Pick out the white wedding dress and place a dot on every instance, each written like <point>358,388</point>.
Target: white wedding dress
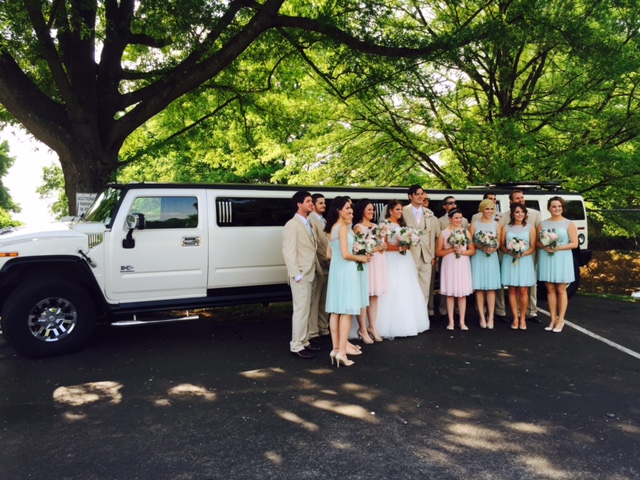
<point>402,310</point>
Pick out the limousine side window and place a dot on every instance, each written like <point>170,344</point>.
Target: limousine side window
<point>574,210</point>
<point>167,212</point>
<point>253,212</point>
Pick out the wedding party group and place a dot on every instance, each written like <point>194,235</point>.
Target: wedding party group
<point>342,263</point>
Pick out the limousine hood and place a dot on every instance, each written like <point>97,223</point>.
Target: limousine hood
<point>56,238</point>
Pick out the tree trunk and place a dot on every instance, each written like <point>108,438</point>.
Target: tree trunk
<point>86,170</point>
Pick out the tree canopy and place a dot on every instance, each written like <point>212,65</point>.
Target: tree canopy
<point>376,92</point>
<point>83,75</point>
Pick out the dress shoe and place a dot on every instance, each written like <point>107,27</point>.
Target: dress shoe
<point>316,341</point>
<point>534,319</point>
<point>303,354</point>
<point>558,328</point>
<point>312,348</point>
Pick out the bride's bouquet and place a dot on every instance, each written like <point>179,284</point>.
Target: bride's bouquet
<point>458,238</point>
<point>364,245</point>
<point>382,232</point>
<point>549,238</point>
<point>408,237</point>
<point>486,239</point>
<point>516,247</point>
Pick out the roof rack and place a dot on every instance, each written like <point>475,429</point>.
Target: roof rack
<point>550,185</point>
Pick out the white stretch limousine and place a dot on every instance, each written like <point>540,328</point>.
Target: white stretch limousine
<point>159,247</point>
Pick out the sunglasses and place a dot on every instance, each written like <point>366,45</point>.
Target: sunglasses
<point>449,203</point>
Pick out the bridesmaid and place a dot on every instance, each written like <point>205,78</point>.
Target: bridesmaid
<point>555,262</point>
<point>343,287</point>
<point>455,269</point>
<point>363,216</point>
<point>518,272</point>
<point>485,266</point>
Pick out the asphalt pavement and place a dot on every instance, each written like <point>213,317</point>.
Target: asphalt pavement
<point>223,398</point>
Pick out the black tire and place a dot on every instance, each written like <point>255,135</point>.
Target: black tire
<point>48,317</point>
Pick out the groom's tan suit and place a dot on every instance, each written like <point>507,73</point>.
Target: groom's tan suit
<point>425,252</point>
<point>299,251</point>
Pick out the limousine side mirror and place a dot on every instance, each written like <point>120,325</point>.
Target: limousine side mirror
<point>134,220</point>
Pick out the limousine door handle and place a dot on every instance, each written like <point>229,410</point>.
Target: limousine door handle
<point>191,241</point>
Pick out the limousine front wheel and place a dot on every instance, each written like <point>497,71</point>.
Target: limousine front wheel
<point>48,317</point>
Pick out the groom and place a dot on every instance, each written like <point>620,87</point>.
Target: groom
<point>424,254</point>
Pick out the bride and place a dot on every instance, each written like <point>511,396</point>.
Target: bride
<point>402,309</point>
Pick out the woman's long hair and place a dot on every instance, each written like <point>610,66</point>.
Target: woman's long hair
<point>512,213</point>
<point>333,212</point>
<point>390,206</point>
<point>358,210</point>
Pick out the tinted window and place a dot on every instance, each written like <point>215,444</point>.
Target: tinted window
<point>253,212</point>
<point>574,210</point>
<point>167,212</point>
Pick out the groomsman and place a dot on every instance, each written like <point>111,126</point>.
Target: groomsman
<point>420,217</point>
<point>449,203</point>
<point>299,251</point>
<point>534,219</point>
<point>318,317</point>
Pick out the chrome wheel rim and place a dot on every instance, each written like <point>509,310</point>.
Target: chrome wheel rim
<point>52,319</point>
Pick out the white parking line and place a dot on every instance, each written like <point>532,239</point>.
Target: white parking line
<point>596,336</point>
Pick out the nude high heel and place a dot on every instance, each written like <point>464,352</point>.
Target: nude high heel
<point>332,356</point>
<point>366,340</point>
<point>375,337</point>
<point>344,360</point>
<point>558,329</point>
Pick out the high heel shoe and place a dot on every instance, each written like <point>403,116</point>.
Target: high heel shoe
<point>332,355</point>
<point>483,324</point>
<point>558,329</point>
<point>366,340</point>
<point>551,326</point>
<point>344,360</point>
<point>375,337</point>
<point>352,350</point>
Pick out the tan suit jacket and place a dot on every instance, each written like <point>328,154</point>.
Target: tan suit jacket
<point>299,251</point>
<point>322,241</point>
<point>533,218</point>
<point>477,216</point>
<point>444,222</point>
<point>430,227</point>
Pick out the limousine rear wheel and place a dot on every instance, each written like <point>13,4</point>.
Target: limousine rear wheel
<point>48,317</point>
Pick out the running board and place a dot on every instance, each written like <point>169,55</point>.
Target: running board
<point>135,321</point>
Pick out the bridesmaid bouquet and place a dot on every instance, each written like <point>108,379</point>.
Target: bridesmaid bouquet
<point>486,239</point>
<point>516,246</point>
<point>458,238</point>
<point>382,232</point>
<point>364,245</point>
<point>408,237</point>
<point>549,238</point>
